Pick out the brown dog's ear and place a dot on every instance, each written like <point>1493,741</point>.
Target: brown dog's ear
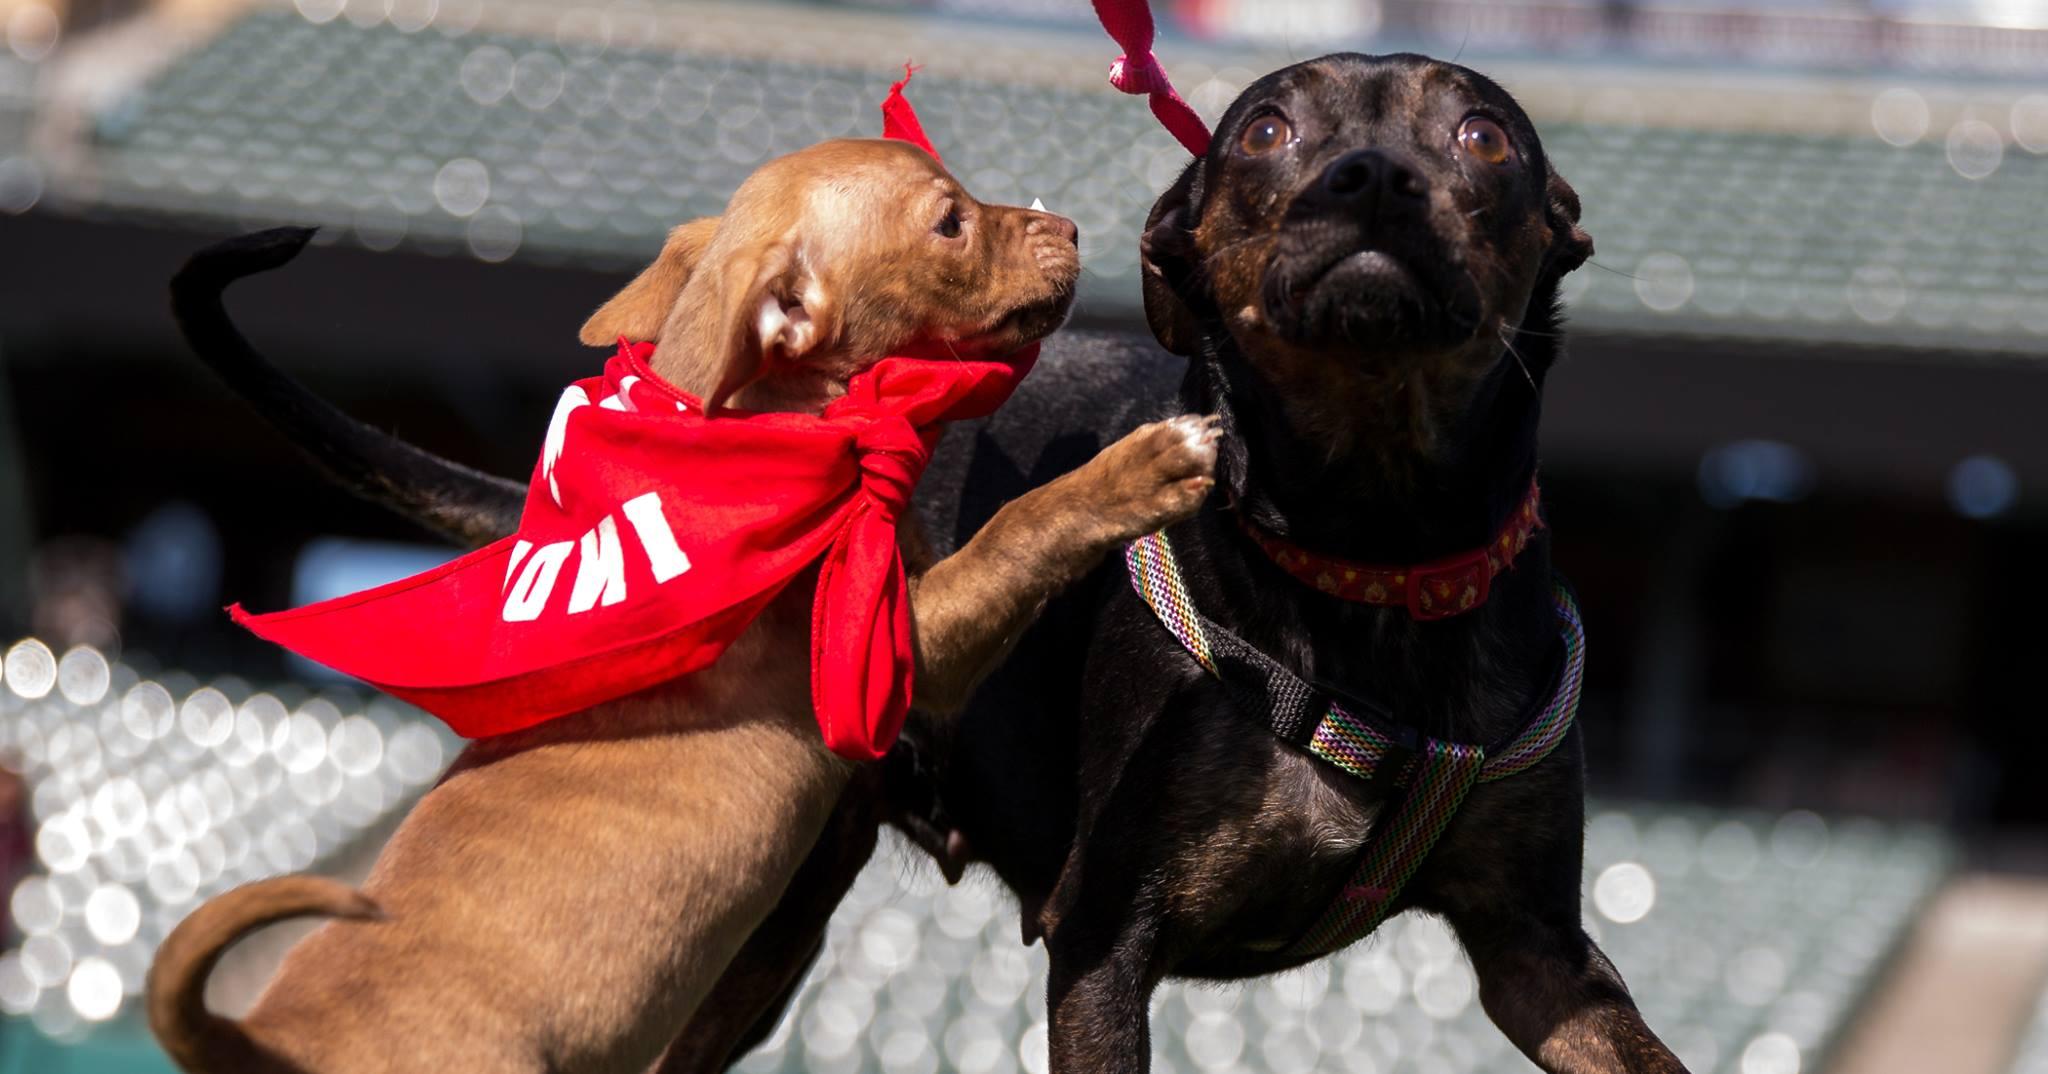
<point>1168,261</point>
<point>638,312</point>
<point>1570,245</point>
<point>766,304</point>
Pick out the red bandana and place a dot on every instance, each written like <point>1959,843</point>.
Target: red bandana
<point>653,536</point>
<point>1438,589</point>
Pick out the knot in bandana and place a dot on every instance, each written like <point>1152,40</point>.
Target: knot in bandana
<point>892,455</point>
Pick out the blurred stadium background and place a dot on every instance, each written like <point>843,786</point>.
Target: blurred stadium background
<point>1796,461</point>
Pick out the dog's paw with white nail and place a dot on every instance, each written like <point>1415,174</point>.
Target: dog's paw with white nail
<point>1163,471</point>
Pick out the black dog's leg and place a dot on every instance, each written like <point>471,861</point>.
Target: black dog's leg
<point>1098,992</point>
<point>1101,943</point>
<point>778,1009</point>
<point>1557,997</point>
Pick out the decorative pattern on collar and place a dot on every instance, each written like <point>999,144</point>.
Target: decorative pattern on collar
<point>1438,589</point>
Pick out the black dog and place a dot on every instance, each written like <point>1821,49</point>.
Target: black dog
<point>1363,269</point>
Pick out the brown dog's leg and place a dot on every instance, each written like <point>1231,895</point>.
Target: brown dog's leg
<point>741,1010</point>
<point>968,609</point>
<point>1553,992</point>
<point>972,605</point>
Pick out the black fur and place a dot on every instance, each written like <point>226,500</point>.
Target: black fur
<point>1113,784</point>
<point>464,505</point>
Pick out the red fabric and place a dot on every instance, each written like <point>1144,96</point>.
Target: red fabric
<point>1129,23</point>
<point>899,120</point>
<point>1435,590</point>
<point>653,536</point>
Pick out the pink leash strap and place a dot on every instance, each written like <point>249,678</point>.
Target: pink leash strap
<point>1129,22</point>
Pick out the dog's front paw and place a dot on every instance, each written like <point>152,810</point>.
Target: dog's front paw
<point>1162,472</point>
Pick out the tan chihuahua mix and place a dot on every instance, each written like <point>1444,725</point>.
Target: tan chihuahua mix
<point>565,897</point>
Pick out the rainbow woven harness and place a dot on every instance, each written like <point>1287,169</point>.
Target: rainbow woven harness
<point>1432,777</point>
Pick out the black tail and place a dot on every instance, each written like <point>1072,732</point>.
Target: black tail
<point>462,504</point>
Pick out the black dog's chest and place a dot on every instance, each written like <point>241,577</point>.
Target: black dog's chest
<point>1100,741</point>
<point>1248,839</point>
<point>1286,818</point>
<point>1252,836</point>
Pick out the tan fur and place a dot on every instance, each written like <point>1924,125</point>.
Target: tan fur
<point>565,897</point>
<point>638,312</point>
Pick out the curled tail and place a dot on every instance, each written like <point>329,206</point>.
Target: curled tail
<point>465,505</point>
<point>197,1039</point>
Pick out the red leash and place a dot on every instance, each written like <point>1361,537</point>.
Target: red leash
<point>1129,22</point>
<point>899,120</point>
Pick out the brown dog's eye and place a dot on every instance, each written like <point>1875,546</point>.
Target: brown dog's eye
<point>1266,133</point>
<point>949,224</point>
<point>1484,139</point>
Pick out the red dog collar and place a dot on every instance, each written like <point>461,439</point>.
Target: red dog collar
<point>1437,589</point>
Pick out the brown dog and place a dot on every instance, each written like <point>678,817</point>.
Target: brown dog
<point>566,896</point>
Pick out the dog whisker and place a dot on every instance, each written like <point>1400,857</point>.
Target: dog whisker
<point>1517,355</point>
<point>1202,272</point>
<point>1616,271</point>
<point>1246,241</point>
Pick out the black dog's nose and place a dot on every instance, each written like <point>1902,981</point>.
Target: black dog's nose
<point>1363,176</point>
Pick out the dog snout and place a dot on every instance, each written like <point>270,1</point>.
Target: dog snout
<point>1370,178</point>
<point>1056,226</point>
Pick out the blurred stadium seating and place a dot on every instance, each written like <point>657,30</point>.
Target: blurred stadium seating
<point>496,142</point>
<point>149,794</point>
<point>1797,450</point>
<point>1749,937</point>
<point>1801,914</point>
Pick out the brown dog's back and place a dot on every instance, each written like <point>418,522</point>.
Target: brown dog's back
<point>196,1038</point>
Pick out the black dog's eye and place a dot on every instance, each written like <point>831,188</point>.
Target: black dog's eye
<point>1264,134</point>
<point>949,224</point>
<point>1484,139</point>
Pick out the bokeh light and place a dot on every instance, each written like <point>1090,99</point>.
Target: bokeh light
<point>1982,486</point>
<point>1624,892</point>
<point>1900,116</point>
<point>154,796</point>
<point>29,669</point>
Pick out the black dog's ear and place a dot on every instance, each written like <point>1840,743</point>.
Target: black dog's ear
<point>1168,261</point>
<point>1570,245</point>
